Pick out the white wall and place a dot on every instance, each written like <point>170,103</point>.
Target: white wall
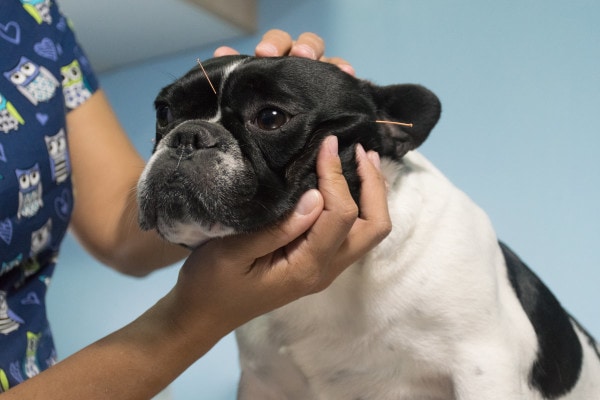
<point>520,86</point>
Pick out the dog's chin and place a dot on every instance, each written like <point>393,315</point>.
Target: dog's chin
<point>192,234</point>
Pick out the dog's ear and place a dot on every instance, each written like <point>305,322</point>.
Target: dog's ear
<point>410,104</point>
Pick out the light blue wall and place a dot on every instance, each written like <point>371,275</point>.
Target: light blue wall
<point>520,87</point>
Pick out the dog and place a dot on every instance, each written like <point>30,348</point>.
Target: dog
<point>441,309</point>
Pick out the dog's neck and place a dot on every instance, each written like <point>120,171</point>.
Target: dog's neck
<point>417,193</point>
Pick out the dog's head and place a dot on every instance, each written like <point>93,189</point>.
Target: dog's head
<point>240,159</point>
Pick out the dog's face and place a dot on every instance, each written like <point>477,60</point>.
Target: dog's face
<point>240,159</point>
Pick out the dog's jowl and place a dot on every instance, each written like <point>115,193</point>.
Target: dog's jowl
<point>439,310</point>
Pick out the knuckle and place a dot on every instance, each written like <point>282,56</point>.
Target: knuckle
<point>279,35</point>
<point>384,228</point>
<point>312,37</point>
<point>315,284</point>
<point>380,229</point>
<point>307,277</point>
<point>349,211</point>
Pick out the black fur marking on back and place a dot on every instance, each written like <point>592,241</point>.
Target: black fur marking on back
<point>560,355</point>
<point>591,341</point>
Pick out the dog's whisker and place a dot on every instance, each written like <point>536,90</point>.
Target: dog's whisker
<point>179,161</point>
<point>206,75</point>
<point>406,124</point>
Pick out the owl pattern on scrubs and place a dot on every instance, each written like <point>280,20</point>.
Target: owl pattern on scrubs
<point>44,74</point>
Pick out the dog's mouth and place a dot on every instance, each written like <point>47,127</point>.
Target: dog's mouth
<point>192,195</point>
<point>171,215</point>
<point>191,234</point>
<point>179,211</point>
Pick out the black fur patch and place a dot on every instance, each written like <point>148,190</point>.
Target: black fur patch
<point>560,355</point>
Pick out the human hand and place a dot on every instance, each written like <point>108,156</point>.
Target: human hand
<point>279,43</point>
<point>227,282</point>
<point>237,278</point>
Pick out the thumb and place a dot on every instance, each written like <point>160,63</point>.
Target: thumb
<point>258,244</point>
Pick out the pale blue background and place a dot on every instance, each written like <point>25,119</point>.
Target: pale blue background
<point>520,86</point>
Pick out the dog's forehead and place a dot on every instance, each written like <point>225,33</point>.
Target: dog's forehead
<point>291,83</point>
<point>246,85</point>
<point>256,76</point>
<point>282,69</point>
<point>221,72</point>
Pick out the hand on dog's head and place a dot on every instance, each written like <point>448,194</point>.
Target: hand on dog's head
<point>240,159</point>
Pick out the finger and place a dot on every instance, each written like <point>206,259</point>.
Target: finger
<point>308,45</point>
<point>339,212</point>
<point>274,43</point>
<point>374,223</point>
<point>373,198</point>
<point>331,181</point>
<point>255,245</point>
<point>341,64</point>
<point>225,51</point>
<point>309,258</point>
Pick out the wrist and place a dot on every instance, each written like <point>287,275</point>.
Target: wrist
<point>193,328</point>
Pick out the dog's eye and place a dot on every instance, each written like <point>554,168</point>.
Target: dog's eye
<point>163,115</point>
<point>270,119</point>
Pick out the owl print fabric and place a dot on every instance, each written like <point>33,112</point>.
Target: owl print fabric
<point>43,75</point>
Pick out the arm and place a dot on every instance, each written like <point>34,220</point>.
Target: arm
<point>217,290</point>
<point>106,168</point>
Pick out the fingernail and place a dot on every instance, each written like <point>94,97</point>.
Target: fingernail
<point>266,50</point>
<point>332,145</point>
<point>347,68</point>
<point>302,50</point>
<point>375,160</point>
<point>360,151</point>
<point>307,203</point>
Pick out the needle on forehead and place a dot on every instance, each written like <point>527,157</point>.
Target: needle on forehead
<point>206,75</point>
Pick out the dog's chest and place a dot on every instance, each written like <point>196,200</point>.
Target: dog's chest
<point>360,338</point>
<point>386,327</point>
<point>340,346</point>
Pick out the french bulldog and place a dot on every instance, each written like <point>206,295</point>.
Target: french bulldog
<point>439,310</point>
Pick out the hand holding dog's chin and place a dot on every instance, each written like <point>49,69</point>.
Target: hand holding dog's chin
<point>234,279</point>
<point>276,43</point>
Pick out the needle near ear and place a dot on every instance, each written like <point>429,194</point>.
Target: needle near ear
<point>395,123</point>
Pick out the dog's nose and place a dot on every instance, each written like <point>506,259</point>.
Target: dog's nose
<point>190,140</point>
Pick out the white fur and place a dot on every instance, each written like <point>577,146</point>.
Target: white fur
<point>192,234</point>
<point>143,181</point>
<point>428,315</point>
<point>226,72</point>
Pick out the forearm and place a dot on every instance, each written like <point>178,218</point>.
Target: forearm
<point>136,362</point>
<point>125,247</point>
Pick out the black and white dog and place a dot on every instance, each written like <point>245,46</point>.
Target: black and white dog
<point>439,310</point>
